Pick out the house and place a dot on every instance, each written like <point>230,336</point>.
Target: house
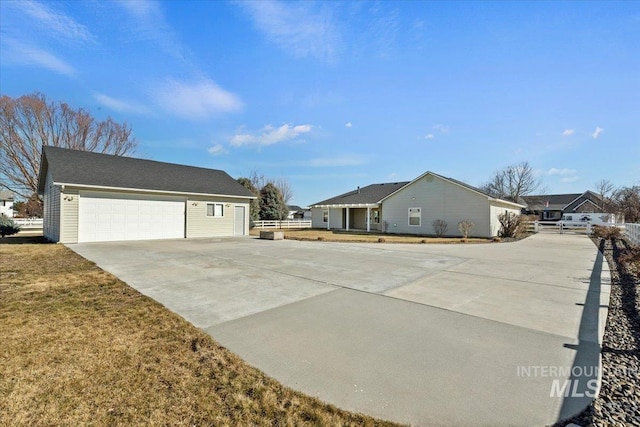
<point>552,207</point>
<point>411,207</point>
<point>6,203</point>
<point>296,212</point>
<point>91,197</point>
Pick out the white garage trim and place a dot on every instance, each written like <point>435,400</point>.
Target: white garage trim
<point>104,216</point>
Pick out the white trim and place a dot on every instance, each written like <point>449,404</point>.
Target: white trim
<point>206,210</point>
<point>586,200</point>
<point>143,190</point>
<point>348,205</point>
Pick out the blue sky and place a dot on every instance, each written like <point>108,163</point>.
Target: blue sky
<point>332,95</point>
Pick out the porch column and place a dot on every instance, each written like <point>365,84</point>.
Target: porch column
<point>328,219</point>
<point>368,219</point>
<point>347,219</point>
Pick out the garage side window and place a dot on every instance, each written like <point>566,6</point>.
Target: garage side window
<point>415,217</point>
<point>215,209</point>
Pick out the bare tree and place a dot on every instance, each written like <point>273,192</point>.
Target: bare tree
<point>627,203</point>
<point>605,189</point>
<point>285,188</point>
<point>513,182</point>
<point>31,121</point>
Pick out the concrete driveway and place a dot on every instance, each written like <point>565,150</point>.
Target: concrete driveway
<point>485,334</point>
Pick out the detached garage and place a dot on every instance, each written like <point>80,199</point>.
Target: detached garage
<point>92,197</point>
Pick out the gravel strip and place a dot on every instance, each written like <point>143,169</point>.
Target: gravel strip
<point>618,403</point>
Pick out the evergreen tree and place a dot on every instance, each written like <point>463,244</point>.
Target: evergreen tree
<point>254,208</point>
<point>272,205</point>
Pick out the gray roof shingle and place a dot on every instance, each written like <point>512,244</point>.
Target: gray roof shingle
<point>373,193</point>
<point>84,168</point>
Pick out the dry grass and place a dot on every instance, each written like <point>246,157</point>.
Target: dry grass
<point>79,347</point>
<point>363,237</point>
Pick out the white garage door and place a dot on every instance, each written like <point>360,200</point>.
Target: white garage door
<point>110,217</point>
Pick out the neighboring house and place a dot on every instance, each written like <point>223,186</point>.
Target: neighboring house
<point>6,203</point>
<point>412,207</point>
<point>296,212</point>
<point>552,207</point>
<point>90,197</point>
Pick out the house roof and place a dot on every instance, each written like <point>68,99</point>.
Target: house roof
<point>88,169</point>
<point>294,208</point>
<point>560,202</point>
<point>371,194</point>
<point>6,195</point>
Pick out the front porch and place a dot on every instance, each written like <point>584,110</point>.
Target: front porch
<point>352,217</point>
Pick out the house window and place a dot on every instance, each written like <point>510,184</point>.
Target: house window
<point>215,209</point>
<point>376,217</point>
<point>325,215</point>
<point>415,217</point>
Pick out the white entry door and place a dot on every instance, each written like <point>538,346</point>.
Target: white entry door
<point>239,224</point>
<point>115,216</point>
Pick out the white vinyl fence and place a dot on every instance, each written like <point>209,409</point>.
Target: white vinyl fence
<point>29,223</point>
<point>293,223</point>
<point>632,232</point>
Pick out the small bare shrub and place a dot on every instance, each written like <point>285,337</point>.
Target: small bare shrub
<point>381,240</point>
<point>440,227</point>
<point>423,241</point>
<point>321,238</point>
<point>511,225</point>
<point>464,227</point>
<point>497,239</point>
<point>605,232</point>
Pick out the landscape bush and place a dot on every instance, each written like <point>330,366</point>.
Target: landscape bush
<point>8,227</point>
<point>464,227</point>
<point>439,227</point>
<point>605,232</point>
<point>511,225</point>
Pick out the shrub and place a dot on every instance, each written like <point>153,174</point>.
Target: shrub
<point>464,227</point>
<point>8,227</point>
<point>511,225</point>
<point>440,227</point>
<point>381,240</point>
<point>497,239</point>
<point>605,232</point>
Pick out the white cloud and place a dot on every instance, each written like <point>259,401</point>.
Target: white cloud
<point>120,105</point>
<point>441,129</point>
<point>197,100</point>
<point>346,160</point>
<point>151,26</point>
<point>270,135</point>
<point>568,132</point>
<point>57,24</point>
<point>597,132</point>
<point>348,125</point>
<point>570,179</point>
<point>217,150</point>
<point>19,53</point>
<point>429,136</point>
<point>563,171</point>
<point>295,27</point>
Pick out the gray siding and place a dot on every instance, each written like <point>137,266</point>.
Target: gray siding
<point>201,225</point>
<point>437,199</point>
<point>316,218</point>
<point>69,215</point>
<point>51,227</point>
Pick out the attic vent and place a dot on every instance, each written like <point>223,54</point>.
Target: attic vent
<point>428,178</point>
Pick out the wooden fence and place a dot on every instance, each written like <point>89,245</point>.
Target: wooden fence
<point>293,223</point>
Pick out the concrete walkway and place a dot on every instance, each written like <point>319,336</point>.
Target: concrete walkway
<point>484,334</point>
